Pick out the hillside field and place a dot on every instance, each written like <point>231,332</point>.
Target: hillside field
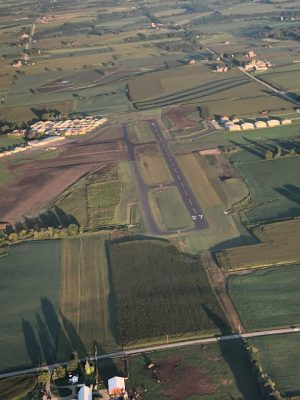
<point>158,292</point>
<point>267,298</point>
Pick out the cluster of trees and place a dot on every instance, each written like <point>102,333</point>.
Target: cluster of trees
<point>9,237</point>
<point>278,153</point>
<point>266,386</point>
<point>291,33</point>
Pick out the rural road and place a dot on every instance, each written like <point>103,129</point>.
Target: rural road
<point>279,93</point>
<point>167,346</point>
<point>187,195</point>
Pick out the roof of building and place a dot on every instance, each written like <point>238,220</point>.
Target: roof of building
<point>85,393</point>
<point>116,383</point>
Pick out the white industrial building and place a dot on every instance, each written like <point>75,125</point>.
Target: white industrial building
<point>273,122</point>
<point>247,126</point>
<point>260,124</point>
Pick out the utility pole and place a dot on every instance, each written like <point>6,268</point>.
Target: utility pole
<point>96,367</point>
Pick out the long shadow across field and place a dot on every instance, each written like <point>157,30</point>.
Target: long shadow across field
<point>235,354</point>
<point>52,337</point>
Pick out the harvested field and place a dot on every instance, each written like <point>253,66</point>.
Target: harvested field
<point>276,248</point>
<point>53,176</point>
<point>169,209</point>
<point>267,298</point>
<point>180,301</point>
<point>181,118</point>
<point>186,379</point>
<point>17,387</point>
<point>85,293</point>
<point>197,372</point>
<point>152,165</point>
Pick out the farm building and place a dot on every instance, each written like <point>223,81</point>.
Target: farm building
<point>224,119</point>
<point>273,122</point>
<point>116,386</point>
<point>233,127</point>
<point>85,393</point>
<point>247,125</point>
<point>286,121</point>
<point>260,124</point>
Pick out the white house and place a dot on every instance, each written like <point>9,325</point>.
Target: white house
<point>116,386</point>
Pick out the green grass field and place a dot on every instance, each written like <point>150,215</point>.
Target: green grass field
<point>159,292</point>
<point>140,132</point>
<point>279,356</point>
<point>169,210</point>
<point>210,372</point>
<point>31,271</point>
<point>274,189</point>
<point>6,141</point>
<point>267,298</point>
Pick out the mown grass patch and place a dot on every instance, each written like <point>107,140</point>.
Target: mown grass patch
<point>169,209</point>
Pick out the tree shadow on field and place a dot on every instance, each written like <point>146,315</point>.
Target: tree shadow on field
<point>290,192</point>
<point>54,218</point>
<point>112,304</point>
<point>235,355</point>
<point>51,337</point>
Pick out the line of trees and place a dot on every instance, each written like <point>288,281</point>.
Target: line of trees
<point>266,385</point>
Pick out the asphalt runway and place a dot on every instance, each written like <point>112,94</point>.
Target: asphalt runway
<point>187,195</point>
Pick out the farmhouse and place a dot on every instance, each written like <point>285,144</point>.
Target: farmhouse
<point>116,386</point>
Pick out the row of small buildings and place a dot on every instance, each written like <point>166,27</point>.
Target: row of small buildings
<point>68,127</point>
<point>235,124</point>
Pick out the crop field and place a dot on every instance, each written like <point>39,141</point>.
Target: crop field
<point>152,165</point>
<point>84,295</point>
<point>279,245</point>
<point>274,188</point>
<point>181,301</point>
<point>267,298</point>
<point>169,209</point>
<point>17,387</point>
<point>140,132</point>
<point>279,356</point>
<point>93,200</point>
<point>210,372</point>
<point>31,271</point>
